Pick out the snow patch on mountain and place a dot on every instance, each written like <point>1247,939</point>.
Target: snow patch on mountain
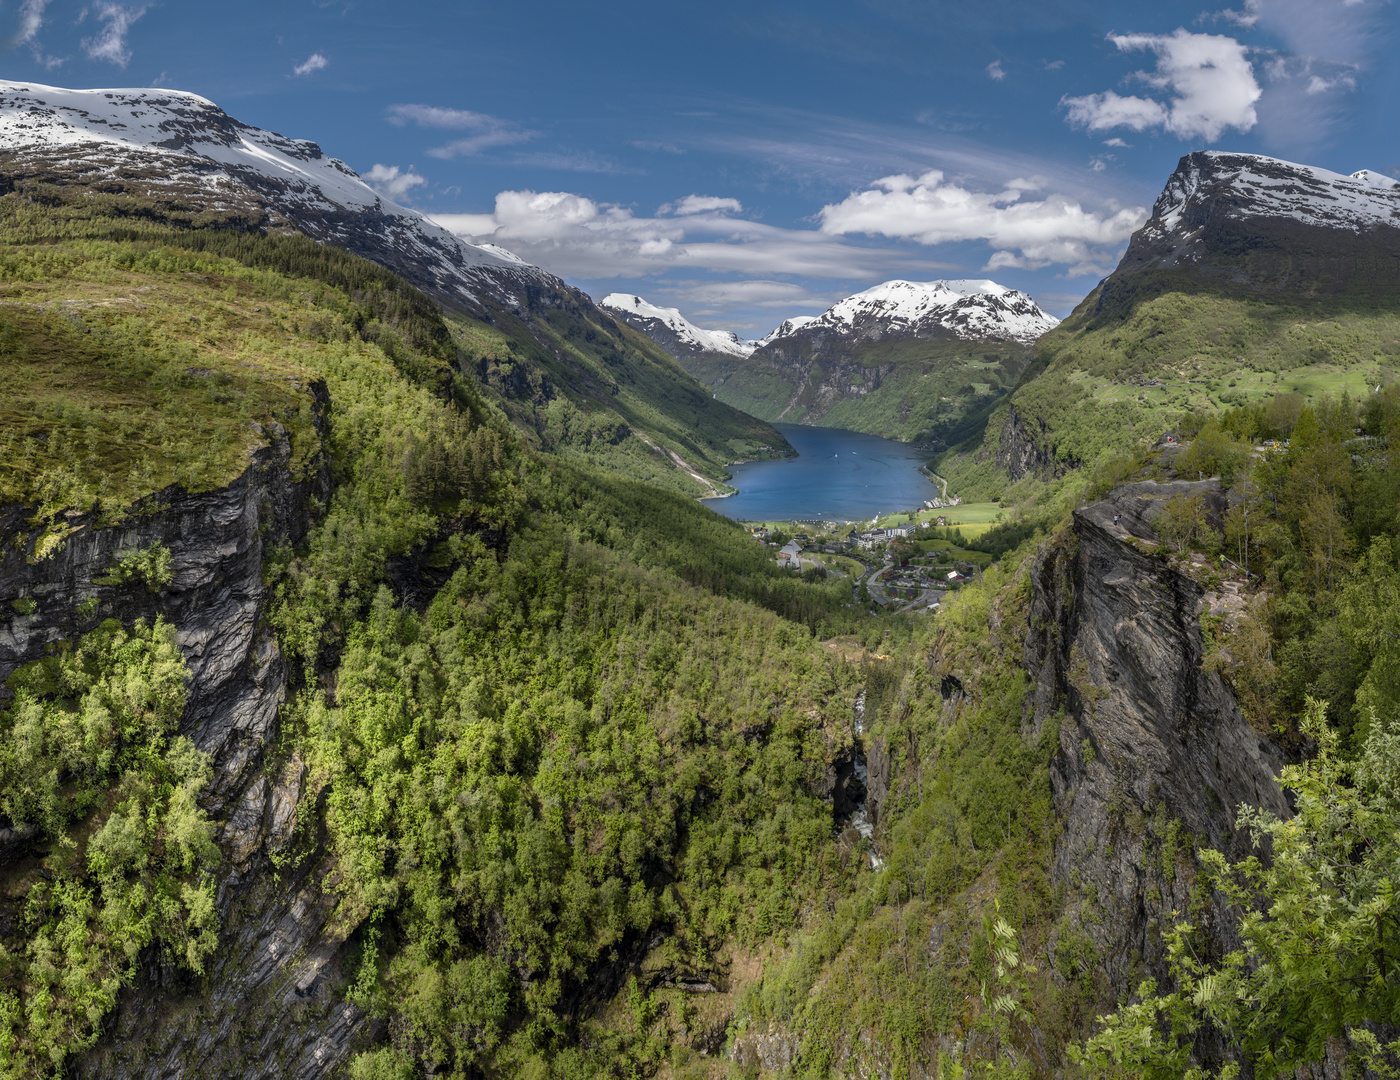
<point>789,326</point>
<point>970,309</point>
<point>177,139</point>
<point>1253,186</point>
<point>687,334</point>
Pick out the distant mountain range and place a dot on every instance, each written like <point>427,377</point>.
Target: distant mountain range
<point>911,359</point>
<point>561,368</point>
<point>1253,277</point>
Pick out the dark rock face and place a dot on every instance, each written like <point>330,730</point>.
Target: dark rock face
<point>1155,754</point>
<point>1267,225</point>
<point>1019,454</point>
<point>265,1007</point>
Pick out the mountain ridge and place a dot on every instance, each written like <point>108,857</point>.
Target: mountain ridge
<point>532,338</point>
<point>1253,276</point>
<point>912,360</point>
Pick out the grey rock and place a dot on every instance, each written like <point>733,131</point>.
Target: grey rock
<point>1147,738</point>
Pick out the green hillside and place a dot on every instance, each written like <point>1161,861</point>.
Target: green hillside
<point>595,390</point>
<point>920,391</point>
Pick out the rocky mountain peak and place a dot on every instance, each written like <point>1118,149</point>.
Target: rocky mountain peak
<point>672,330</point>
<point>1211,183</point>
<point>975,310</point>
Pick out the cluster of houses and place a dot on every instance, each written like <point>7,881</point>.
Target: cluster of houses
<point>869,539</point>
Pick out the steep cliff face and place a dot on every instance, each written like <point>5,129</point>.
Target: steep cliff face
<point>263,1009</point>
<point>1017,451</point>
<point>1155,754</point>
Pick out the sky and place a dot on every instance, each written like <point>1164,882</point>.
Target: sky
<point>745,161</point>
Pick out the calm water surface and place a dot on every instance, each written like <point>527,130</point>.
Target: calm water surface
<point>841,475</point>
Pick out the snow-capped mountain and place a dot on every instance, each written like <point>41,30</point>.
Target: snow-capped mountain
<point>972,310</point>
<point>789,326</point>
<point>672,330</point>
<point>1213,196</point>
<point>182,149</point>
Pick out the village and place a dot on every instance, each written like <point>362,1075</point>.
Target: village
<point>906,561</point>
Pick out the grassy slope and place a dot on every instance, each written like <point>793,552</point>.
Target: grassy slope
<point>939,390</point>
<point>598,391</point>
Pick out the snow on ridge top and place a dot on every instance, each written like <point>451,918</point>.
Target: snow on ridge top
<point>789,326</point>
<point>970,309</point>
<point>103,127</point>
<point>1260,186</point>
<point>1375,179</point>
<point>720,341</point>
<point>907,300</point>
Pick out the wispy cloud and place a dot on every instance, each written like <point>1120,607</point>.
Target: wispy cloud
<point>484,131</point>
<point>996,71</point>
<point>110,43</point>
<point>1322,48</point>
<point>390,182</point>
<point>1024,233</point>
<point>702,204</point>
<point>314,62</point>
<point>31,19</point>
<point>1209,80</point>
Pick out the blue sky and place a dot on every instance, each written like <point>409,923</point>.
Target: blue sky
<point>747,161</point>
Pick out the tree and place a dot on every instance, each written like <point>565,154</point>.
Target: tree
<point>1319,923</point>
<point>1179,520</point>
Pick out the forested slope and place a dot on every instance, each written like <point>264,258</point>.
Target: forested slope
<point>347,734</point>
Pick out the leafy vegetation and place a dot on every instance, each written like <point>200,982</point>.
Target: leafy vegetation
<point>924,391</point>
<point>574,739</point>
<point>89,757</point>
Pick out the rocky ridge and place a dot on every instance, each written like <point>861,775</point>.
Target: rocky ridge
<point>181,149</point>
<point>1262,222</point>
<point>1155,755</point>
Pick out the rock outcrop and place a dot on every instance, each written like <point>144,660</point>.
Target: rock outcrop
<point>1155,755</point>
<point>265,1007</point>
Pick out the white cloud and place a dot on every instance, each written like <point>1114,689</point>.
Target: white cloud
<point>701,204</point>
<point>1106,111</point>
<point>575,236</point>
<point>1054,65</point>
<point>314,62</point>
<point>31,18</point>
<point>485,131</point>
<point>1208,76</point>
<point>110,43</point>
<point>1115,141</point>
<point>1027,234</point>
<point>996,71</point>
<point>390,182</point>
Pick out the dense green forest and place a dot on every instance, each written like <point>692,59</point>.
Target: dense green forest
<point>584,766</point>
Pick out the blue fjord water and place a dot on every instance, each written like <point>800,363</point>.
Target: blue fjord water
<point>838,475</point>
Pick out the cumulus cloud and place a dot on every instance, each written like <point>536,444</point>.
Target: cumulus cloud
<point>1209,79</point>
<point>314,62</point>
<point>996,71</point>
<point>573,235</point>
<point>701,204</point>
<point>1115,141</point>
<point>1025,233</point>
<point>484,131</point>
<point>392,183</point>
<point>1106,111</point>
<point>110,43</point>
